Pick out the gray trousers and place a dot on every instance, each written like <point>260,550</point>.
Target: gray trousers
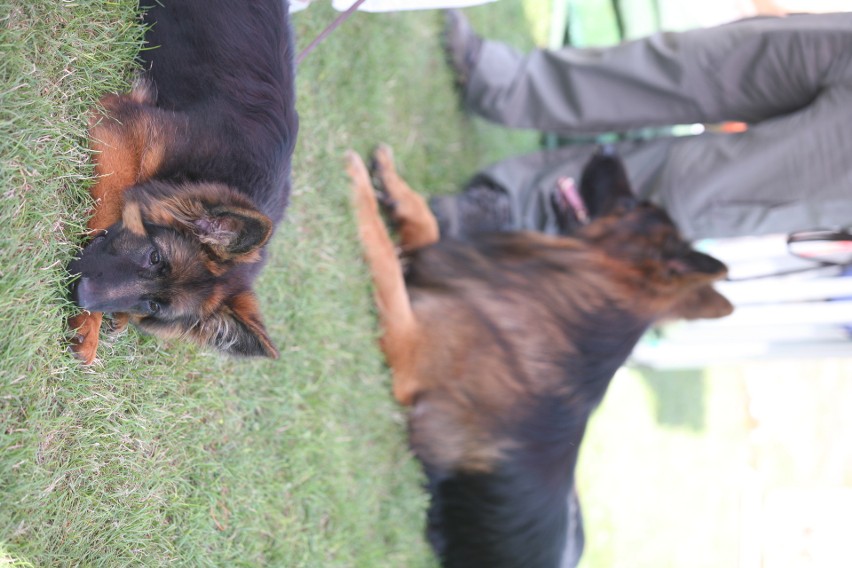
<point>789,78</point>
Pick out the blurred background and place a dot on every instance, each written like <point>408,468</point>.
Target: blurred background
<point>725,443</point>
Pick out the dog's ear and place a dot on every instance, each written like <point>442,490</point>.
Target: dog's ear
<point>703,302</point>
<point>232,232</point>
<point>693,265</point>
<point>693,272</point>
<point>226,222</point>
<point>604,186</point>
<point>236,328</point>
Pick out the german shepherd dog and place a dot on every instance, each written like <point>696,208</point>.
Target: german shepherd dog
<point>505,343</point>
<point>193,173</point>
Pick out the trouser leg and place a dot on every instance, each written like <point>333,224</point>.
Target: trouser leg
<point>782,175</point>
<point>749,70</point>
<point>527,183</point>
<point>790,77</point>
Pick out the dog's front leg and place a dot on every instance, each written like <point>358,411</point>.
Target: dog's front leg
<point>415,223</point>
<point>400,332</point>
<point>127,141</point>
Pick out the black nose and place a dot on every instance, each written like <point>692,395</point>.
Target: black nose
<point>84,294</point>
<point>75,269</point>
<point>74,297</point>
<point>74,288</point>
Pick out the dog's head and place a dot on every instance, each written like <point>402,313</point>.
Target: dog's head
<point>178,264</point>
<point>674,279</point>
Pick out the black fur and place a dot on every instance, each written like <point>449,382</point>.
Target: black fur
<point>525,512</point>
<point>229,66</point>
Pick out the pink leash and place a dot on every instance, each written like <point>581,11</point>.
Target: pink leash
<point>330,28</point>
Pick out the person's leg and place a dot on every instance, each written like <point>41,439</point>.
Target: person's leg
<point>516,193</point>
<point>782,175</point>
<point>748,71</point>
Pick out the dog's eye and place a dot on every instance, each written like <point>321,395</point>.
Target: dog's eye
<point>155,257</point>
<point>153,307</point>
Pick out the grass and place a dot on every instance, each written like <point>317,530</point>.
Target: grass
<point>667,487</point>
<point>163,453</point>
<point>661,490</point>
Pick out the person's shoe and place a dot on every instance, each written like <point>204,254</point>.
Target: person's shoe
<point>462,46</point>
<point>480,208</point>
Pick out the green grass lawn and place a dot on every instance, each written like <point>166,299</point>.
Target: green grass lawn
<point>661,471</point>
<point>166,454</point>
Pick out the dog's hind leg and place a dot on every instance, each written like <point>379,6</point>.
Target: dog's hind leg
<point>414,221</point>
<point>399,326</point>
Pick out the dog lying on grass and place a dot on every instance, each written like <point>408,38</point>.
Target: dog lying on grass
<point>193,173</point>
<point>504,344</point>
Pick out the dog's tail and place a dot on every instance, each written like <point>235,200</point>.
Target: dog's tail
<point>399,325</point>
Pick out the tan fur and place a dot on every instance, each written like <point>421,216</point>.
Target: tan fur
<point>395,315</point>
<point>247,310</point>
<point>416,225</point>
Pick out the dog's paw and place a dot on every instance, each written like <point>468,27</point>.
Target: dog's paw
<point>84,341</point>
<point>385,179</point>
<point>382,163</point>
<point>118,323</point>
<point>362,189</point>
<point>384,176</point>
<point>356,168</point>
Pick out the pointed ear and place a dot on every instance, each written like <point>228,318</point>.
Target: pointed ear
<point>236,328</point>
<point>694,265</point>
<point>232,232</point>
<point>703,302</point>
<point>695,271</point>
<point>604,185</point>
<point>220,217</point>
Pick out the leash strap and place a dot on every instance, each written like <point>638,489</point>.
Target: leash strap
<point>328,29</point>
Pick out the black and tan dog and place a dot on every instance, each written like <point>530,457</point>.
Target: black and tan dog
<point>504,344</point>
<point>193,175</point>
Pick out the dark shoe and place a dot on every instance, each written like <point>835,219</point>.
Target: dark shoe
<point>462,47</point>
<point>478,209</point>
